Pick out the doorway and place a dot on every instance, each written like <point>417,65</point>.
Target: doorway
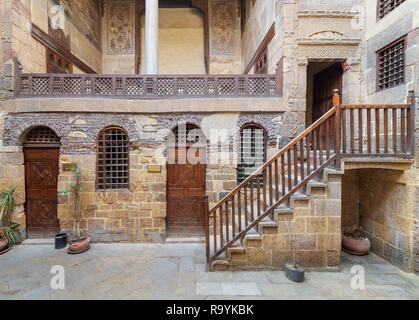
<point>41,154</point>
<point>186,177</point>
<point>322,79</point>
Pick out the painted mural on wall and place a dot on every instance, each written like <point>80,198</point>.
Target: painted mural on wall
<point>85,16</point>
<point>223,27</point>
<point>121,22</point>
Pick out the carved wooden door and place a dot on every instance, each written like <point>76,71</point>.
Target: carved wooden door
<point>185,192</point>
<point>41,171</point>
<point>325,83</point>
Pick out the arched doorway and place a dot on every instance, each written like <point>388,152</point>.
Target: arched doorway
<point>41,150</point>
<point>186,176</point>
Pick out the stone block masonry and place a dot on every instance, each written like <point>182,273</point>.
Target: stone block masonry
<point>137,214</point>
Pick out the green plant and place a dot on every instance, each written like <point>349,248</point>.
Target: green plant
<point>7,206</point>
<point>9,233</point>
<point>76,189</point>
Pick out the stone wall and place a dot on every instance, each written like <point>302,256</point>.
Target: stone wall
<point>32,54</point>
<point>6,56</point>
<point>385,199</point>
<point>400,22</point>
<point>137,214</point>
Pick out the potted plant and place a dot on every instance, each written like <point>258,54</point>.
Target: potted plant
<point>293,270</point>
<point>353,242</point>
<point>81,243</point>
<point>9,230</point>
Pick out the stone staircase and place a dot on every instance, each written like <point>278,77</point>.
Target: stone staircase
<point>236,257</point>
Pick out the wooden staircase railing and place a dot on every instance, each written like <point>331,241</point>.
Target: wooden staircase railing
<point>324,142</point>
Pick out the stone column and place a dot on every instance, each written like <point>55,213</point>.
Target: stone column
<point>152,36</point>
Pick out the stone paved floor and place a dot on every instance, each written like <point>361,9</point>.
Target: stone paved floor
<point>177,271</point>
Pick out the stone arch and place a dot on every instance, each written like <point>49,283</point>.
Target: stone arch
<point>17,127</point>
<point>265,121</point>
<point>122,122</point>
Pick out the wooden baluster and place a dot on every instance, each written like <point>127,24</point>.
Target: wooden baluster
<point>239,210</point>
<point>271,186</point>
<point>246,219</point>
<point>377,130</point>
<point>289,170</point>
<point>403,130</point>
<point>283,182</point>
<point>207,231</point>
<point>302,158</point>
<point>360,132</point>
<point>321,144</point>
<point>264,182</point>
<point>344,131</point>
<point>295,166</point>
<point>394,130</point>
<point>233,217</point>
<point>308,141</point>
<point>385,130</point>
<point>214,223</point>
<point>369,144</point>
<point>352,128</point>
<point>327,139</point>
<point>276,180</point>
<point>227,223</point>
<point>411,99</point>
<point>221,227</point>
<point>252,203</point>
<point>315,149</point>
<point>258,195</point>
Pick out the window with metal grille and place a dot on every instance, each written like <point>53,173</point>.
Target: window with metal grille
<point>386,6</point>
<point>391,65</point>
<point>252,150</point>
<point>113,159</point>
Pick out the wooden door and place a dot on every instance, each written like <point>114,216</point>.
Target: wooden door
<point>185,192</point>
<point>41,173</point>
<point>325,83</point>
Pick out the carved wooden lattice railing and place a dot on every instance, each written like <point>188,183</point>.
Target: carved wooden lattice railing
<point>323,143</point>
<point>146,86</point>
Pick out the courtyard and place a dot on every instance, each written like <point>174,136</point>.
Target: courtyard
<point>177,272</point>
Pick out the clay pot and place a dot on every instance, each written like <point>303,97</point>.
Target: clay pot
<point>79,245</point>
<point>3,244</point>
<point>356,246</point>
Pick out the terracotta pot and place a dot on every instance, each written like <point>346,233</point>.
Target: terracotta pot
<point>356,246</point>
<point>79,245</point>
<point>3,244</point>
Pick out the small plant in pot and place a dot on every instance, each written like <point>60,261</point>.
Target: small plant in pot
<point>293,270</point>
<point>81,243</point>
<point>353,242</point>
<point>9,230</point>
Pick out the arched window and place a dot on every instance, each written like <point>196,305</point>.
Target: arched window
<point>252,150</point>
<point>112,159</point>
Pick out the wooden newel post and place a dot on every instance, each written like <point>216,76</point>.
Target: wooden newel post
<point>338,127</point>
<point>411,122</point>
<point>207,233</point>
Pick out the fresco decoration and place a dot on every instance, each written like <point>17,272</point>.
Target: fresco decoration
<point>85,16</point>
<point>121,27</point>
<point>223,27</point>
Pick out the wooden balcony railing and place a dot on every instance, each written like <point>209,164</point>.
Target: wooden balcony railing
<point>145,86</point>
<point>321,145</point>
